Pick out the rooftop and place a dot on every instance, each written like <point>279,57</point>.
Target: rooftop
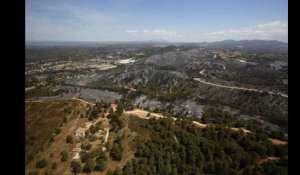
<point>80,129</point>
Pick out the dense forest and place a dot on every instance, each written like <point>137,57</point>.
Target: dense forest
<point>181,148</point>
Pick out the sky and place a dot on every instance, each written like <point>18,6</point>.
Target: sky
<point>144,20</point>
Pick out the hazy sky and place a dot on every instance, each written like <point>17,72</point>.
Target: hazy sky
<point>172,20</point>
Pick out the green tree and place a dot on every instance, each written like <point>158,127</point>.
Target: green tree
<point>64,155</point>
<point>54,165</point>
<point>84,156</point>
<point>100,165</point>
<point>116,152</point>
<point>89,166</point>
<point>41,163</point>
<point>86,146</point>
<point>65,119</point>
<point>76,167</point>
<point>118,171</point>
<point>30,157</point>
<point>69,139</point>
<point>57,131</point>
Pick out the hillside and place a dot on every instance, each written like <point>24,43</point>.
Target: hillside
<point>140,141</point>
<point>171,76</point>
<point>47,123</point>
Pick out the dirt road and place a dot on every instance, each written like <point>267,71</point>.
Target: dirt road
<point>237,88</point>
<point>278,142</point>
<point>61,99</point>
<point>144,114</point>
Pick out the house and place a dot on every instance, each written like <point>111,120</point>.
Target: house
<point>80,132</point>
<point>88,125</point>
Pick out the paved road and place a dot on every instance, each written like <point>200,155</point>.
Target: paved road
<point>238,88</point>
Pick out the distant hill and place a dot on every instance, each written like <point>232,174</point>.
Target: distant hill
<point>91,43</point>
<point>255,44</point>
<point>262,44</point>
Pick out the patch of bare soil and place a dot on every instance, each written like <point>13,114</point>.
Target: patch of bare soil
<point>278,142</point>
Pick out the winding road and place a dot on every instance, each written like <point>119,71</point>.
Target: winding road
<point>238,88</point>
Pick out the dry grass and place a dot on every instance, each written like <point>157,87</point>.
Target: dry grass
<point>41,119</point>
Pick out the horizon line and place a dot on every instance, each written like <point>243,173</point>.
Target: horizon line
<point>155,40</point>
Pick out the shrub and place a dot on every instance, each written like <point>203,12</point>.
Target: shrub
<point>57,131</point>
<point>76,167</point>
<point>69,139</point>
<point>64,156</point>
<point>100,165</point>
<point>89,166</point>
<point>54,165</point>
<point>41,163</point>
<point>86,146</point>
<point>30,157</point>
